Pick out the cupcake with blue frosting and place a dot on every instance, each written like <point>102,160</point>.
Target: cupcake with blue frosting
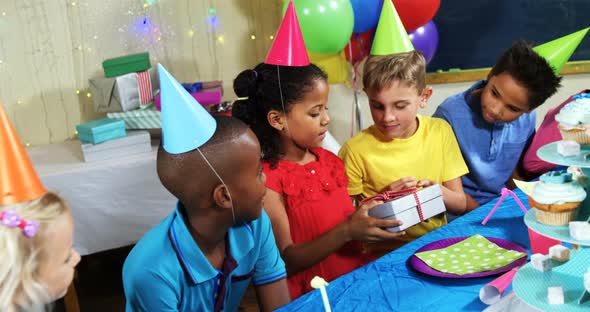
<point>556,198</point>
<point>574,119</point>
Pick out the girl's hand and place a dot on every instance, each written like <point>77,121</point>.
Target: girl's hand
<point>401,184</point>
<point>362,227</point>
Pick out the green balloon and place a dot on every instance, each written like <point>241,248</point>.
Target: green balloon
<point>326,24</point>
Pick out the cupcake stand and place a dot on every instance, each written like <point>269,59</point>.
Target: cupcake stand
<point>529,284</point>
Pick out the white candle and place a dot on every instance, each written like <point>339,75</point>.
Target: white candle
<point>318,282</point>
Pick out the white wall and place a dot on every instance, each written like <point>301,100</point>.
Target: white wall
<point>341,102</point>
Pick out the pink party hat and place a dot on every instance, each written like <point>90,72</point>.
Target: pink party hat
<point>288,48</point>
<point>492,292</point>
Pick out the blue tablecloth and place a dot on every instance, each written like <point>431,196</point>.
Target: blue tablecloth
<point>390,284</point>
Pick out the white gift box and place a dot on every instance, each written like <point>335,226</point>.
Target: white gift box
<point>134,143</point>
<point>406,209</point>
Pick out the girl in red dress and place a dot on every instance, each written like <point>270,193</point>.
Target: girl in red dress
<point>316,227</point>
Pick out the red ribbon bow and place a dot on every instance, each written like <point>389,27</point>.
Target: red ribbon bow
<point>388,196</point>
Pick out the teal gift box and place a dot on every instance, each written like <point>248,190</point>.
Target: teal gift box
<point>101,130</point>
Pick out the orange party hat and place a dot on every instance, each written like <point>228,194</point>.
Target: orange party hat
<point>18,180</point>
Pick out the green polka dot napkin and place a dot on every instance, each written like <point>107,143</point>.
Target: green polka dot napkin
<point>473,255</point>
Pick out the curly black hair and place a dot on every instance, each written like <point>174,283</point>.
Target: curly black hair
<point>530,69</point>
<point>261,87</point>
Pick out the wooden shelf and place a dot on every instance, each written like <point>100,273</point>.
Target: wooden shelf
<point>571,68</point>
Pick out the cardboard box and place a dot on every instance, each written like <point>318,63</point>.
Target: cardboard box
<point>101,130</point>
<point>134,143</point>
<point>126,64</point>
<point>405,208</point>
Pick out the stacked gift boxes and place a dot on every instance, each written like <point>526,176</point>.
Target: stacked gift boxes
<point>129,95</point>
<point>107,138</point>
<point>129,85</point>
<point>207,93</point>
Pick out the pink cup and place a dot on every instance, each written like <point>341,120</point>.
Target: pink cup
<point>492,292</point>
<point>541,244</point>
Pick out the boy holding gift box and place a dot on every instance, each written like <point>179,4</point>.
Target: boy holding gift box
<point>402,149</point>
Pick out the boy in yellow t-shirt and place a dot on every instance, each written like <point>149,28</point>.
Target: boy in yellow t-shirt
<point>403,149</point>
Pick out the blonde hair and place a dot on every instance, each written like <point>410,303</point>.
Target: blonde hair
<point>20,288</point>
<point>408,68</point>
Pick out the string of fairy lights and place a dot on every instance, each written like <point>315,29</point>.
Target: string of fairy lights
<point>147,27</point>
<point>138,30</point>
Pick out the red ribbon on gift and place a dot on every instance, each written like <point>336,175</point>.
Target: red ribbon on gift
<point>418,206</point>
<point>388,196</point>
<point>144,83</point>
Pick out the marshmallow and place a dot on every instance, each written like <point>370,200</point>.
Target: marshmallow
<point>580,230</point>
<point>568,148</point>
<point>559,253</point>
<point>555,295</point>
<point>587,280</point>
<point>541,262</point>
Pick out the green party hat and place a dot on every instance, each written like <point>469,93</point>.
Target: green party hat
<point>391,36</point>
<point>557,52</point>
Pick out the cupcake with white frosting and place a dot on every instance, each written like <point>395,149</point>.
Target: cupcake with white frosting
<point>574,119</point>
<point>557,197</point>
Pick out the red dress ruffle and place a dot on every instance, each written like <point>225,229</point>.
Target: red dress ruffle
<point>316,200</point>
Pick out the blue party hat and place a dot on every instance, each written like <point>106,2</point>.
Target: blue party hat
<point>186,125</point>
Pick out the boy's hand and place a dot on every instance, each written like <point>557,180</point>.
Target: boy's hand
<point>402,184</point>
<point>425,183</point>
<point>362,227</point>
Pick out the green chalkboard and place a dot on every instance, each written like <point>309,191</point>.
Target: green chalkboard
<point>473,33</point>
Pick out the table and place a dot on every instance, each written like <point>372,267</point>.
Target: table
<point>390,284</point>
<point>114,202</point>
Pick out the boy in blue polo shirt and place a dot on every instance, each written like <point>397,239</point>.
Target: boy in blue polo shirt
<point>494,120</point>
<point>203,256</point>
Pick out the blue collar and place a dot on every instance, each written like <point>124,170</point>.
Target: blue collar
<point>194,262</point>
<point>472,100</point>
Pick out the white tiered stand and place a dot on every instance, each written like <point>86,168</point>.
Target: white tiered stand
<point>529,284</point>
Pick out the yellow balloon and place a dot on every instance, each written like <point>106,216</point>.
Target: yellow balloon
<point>334,65</point>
